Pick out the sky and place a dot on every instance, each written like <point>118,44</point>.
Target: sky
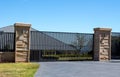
<point>79,16</point>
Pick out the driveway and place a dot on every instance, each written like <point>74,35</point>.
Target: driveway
<point>79,69</point>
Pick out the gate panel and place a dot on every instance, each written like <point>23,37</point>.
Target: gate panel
<point>115,48</point>
<point>61,46</point>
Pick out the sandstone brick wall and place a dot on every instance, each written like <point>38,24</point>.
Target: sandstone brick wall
<point>7,56</point>
<point>22,56</point>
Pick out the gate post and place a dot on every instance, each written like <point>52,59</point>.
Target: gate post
<point>22,42</point>
<point>102,44</point>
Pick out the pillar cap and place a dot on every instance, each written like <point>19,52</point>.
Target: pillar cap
<point>102,29</point>
<point>21,25</point>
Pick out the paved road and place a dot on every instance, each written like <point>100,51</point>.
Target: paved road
<point>79,69</point>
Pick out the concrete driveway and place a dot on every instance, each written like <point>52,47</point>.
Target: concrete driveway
<point>79,69</point>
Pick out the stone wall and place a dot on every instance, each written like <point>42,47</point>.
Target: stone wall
<point>7,56</point>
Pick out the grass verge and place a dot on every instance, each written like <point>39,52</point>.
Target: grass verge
<point>18,69</point>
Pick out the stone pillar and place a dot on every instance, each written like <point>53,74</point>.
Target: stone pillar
<point>22,42</point>
<point>102,44</point>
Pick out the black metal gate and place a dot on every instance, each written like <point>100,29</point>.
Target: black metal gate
<point>61,46</point>
<point>7,42</point>
<point>115,46</point>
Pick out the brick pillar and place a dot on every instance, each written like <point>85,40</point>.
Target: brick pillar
<point>22,42</point>
<point>102,44</point>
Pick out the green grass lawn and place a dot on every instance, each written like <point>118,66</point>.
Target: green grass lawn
<point>18,69</point>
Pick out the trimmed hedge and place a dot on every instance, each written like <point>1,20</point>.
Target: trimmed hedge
<point>68,57</point>
<point>55,57</point>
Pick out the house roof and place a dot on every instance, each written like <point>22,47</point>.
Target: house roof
<point>42,41</point>
<point>38,40</point>
<point>11,29</point>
